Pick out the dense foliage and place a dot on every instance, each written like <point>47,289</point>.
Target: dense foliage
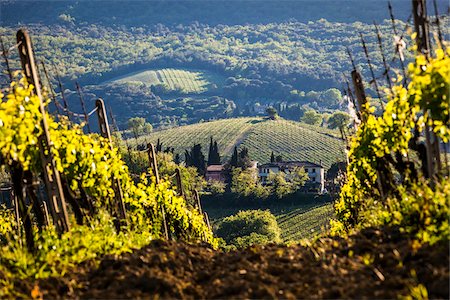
<point>381,189</point>
<point>87,164</point>
<point>249,227</point>
<point>285,65</point>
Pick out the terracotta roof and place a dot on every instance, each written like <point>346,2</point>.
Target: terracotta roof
<point>291,164</point>
<point>214,168</point>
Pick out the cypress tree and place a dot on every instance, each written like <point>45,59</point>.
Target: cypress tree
<point>217,159</point>
<point>188,158</point>
<point>234,158</point>
<point>211,153</point>
<point>198,159</point>
<point>158,146</point>
<point>272,158</point>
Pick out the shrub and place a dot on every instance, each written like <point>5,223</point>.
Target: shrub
<point>250,227</point>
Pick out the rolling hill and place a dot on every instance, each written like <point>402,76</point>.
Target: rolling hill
<point>184,81</point>
<point>292,140</point>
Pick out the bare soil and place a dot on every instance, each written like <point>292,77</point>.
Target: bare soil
<point>375,263</point>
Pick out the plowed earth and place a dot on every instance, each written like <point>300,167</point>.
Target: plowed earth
<point>375,263</point>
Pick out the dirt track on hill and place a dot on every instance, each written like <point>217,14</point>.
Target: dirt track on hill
<point>371,264</point>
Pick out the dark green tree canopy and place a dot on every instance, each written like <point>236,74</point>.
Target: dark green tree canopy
<point>213,154</point>
<point>195,158</point>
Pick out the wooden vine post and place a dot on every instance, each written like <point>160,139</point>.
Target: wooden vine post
<point>51,175</point>
<point>154,167</point>
<point>104,131</point>
<point>421,24</point>
<point>198,204</point>
<point>179,183</point>
<point>360,94</point>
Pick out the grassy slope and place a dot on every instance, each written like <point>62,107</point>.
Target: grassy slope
<point>296,222</point>
<point>304,223</point>
<point>293,140</point>
<point>176,79</point>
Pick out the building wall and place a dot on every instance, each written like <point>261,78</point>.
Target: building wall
<point>214,176</point>
<point>316,174</point>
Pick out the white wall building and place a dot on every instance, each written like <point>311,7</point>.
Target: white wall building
<point>315,172</point>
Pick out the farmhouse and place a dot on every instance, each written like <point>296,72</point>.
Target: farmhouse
<point>315,171</point>
<point>215,173</point>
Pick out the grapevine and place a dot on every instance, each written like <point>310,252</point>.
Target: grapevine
<point>381,151</point>
<point>88,164</point>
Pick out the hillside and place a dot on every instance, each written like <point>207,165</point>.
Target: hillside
<point>178,80</point>
<point>300,221</point>
<point>188,11</point>
<point>303,223</point>
<point>292,140</point>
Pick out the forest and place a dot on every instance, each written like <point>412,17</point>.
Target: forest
<point>290,64</point>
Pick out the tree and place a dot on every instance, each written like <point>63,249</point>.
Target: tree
<point>213,154</point>
<point>272,112</point>
<point>234,158</point>
<point>339,120</point>
<point>196,159</point>
<point>297,177</point>
<point>311,117</point>
<point>243,182</point>
<point>283,184</point>
<point>279,158</point>
<point>148,128</point>
<point>280,186</point>
<point>244,160</point>
<point>217,158</point>
<point>272,158</point>
<point>331,97</point>
<point>250,227</point>
<point>136,125</point>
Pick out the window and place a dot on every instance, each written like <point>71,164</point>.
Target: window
<point>306,170</point>
<point>314,170</point>
<point>313,179</point>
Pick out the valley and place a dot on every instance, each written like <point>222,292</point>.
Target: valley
<point>226,149</point>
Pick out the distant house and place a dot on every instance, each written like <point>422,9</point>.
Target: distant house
<point>315,172</point>
<point>215,173</point>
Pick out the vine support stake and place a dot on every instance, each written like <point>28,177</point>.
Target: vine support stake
<point>205,215</point>
<point>179,183</point>
<point>51,174</point>
<point>360,93</point>
<point>197,200</point>
<point>5,57</point>
<point>154,166</point>
<point>86,116</point>
<point>52,91</point>
<point>421,26</point>
<point>47,219</point>
<point>153,161</point>
<point>104,132</point>
<point>16,211</point>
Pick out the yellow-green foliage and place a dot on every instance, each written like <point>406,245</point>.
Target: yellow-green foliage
<point>85,162</point>
<point>416,206</point>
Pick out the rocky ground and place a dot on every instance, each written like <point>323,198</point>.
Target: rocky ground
<point>375,263</point>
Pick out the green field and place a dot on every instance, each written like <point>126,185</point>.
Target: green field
<point>299,223</point>
<point>296,222</point>
<point>293,140</point>
<point>184,81</point>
